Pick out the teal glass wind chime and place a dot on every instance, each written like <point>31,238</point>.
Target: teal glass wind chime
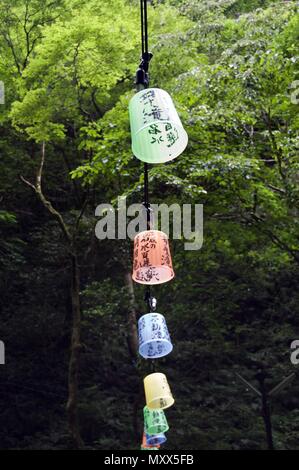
<point>157,137</point>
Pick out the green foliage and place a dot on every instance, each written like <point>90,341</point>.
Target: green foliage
<point>80,60</point>
<point>233,306</point>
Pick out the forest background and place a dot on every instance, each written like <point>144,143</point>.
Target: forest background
<point>68,68</point>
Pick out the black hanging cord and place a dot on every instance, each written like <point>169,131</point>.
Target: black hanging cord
<point>142,82</point>
<point>145,28</point>
<point>146,197</point>
<point>142,26</point>
<point>142,77</point>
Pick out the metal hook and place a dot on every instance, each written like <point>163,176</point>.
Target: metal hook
<point>152,303</point>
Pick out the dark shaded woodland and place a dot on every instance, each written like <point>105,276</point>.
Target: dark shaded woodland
<point>72,376</point>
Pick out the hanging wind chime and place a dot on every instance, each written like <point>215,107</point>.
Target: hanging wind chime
<point>157,137</point>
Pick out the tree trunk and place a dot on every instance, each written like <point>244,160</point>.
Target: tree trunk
<point>132,319</point>
<point>73,376</point>
<point>132,339</point>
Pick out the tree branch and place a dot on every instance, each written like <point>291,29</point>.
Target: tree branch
<point>46,203</point>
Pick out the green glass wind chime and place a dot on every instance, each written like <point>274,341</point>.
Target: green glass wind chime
<point>157,137</point>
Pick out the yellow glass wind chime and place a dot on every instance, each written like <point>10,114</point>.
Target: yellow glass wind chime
<point>157,137</point>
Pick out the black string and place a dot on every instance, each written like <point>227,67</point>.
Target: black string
<point>142,27</point>
<point>145,28</point>
<point>144,65</point>
<point>147,297</point>
<point>146,198</point>
<point>144,48</point>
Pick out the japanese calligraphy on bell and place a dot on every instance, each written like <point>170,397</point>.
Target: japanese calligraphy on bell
<point>155,421</point>
<point>152,259</point>
<point>154,339</point>
<point>157,132</point>
<point>157,392</point>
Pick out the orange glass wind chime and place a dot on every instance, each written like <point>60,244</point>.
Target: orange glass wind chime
<point>157,137</point>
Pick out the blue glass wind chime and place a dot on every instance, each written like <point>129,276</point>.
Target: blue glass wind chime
<point>157,137</point>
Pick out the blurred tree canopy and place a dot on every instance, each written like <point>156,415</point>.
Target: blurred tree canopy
<point>68,67</point>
